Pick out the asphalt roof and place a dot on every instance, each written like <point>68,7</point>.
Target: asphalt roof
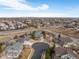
<point>17,46</point>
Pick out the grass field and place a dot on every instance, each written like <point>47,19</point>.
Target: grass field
<point>3,37</point>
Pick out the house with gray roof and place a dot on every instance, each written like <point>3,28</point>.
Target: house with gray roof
<point>13,51</point>
<point>68,56</point>
<point>37,34</point>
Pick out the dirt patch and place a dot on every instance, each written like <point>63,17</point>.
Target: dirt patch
<point>25,53</point>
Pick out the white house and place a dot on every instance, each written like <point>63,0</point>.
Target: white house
<point>14,50</point>
<point>68,56</point>
<point>3,26</point>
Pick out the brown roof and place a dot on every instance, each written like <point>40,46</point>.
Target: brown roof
<point>59,51</point>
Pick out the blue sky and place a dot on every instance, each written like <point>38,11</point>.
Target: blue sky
<point>39,8</point>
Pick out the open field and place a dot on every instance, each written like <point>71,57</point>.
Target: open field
<point>65,31</point>
<point>3,37</point>
<point>10,35</point>
<point>68,32</point>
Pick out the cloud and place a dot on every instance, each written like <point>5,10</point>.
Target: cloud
<point>18,5</point>
<point>52,14</point>
<point>37,14</point>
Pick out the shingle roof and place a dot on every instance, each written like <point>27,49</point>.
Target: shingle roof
<point>15,48</point>
<point>60,51</point>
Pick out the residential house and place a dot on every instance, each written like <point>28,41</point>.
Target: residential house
<point>37,34</point>
<point>64,53</point>
<point>13,51</point>
<point>3,26</point>
<point>68,56</point>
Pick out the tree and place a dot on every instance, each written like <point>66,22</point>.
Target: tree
<point>1,47</point>
<point>32,35</point>
<point>15,37</point>
<point>50,51</point>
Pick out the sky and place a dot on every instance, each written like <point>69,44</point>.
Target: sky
<point>39,8</point>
